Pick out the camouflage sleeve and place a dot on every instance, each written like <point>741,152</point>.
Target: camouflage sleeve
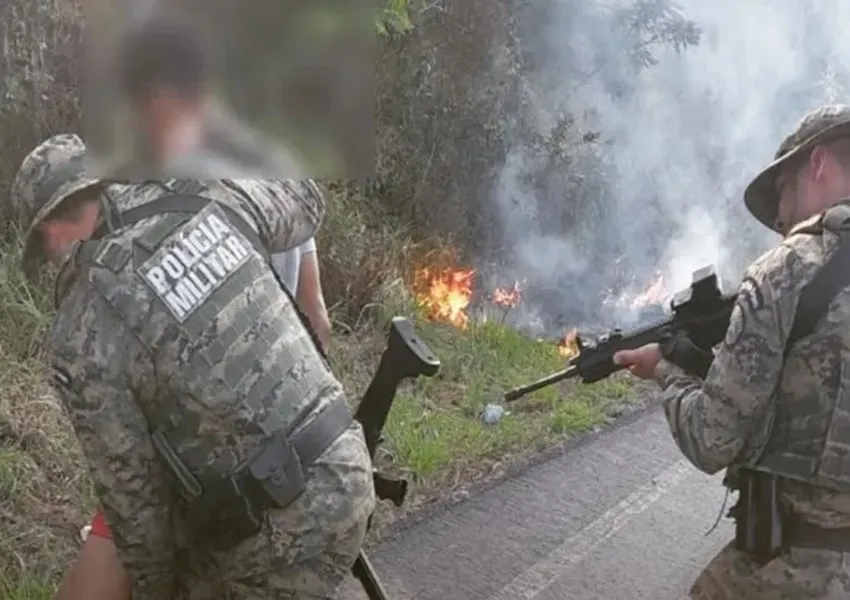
<point>715,421</point>
<point>287,212</point>
<point>89,357</point>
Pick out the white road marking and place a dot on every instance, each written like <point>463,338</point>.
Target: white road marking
<point>547,570</point>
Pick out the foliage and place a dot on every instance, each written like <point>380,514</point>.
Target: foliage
<point>393,18</point>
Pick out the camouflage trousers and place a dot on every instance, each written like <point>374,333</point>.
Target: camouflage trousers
<point>801,574</point>
<point>305,550</point>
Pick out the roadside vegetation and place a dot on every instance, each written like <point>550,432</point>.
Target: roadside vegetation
<point>374,246</point>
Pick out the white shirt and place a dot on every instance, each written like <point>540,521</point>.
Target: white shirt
<point>288,264</point>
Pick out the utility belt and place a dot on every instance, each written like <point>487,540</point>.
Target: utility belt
<point>222,512</point>
<point>765,530</point>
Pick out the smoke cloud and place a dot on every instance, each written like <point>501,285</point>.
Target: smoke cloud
<point>661,155</point>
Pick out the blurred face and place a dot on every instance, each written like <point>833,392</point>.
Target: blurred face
<point>168,122</point>
<point>810,186</point>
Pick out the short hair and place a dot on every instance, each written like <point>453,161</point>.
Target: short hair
<point>163,51</point>
<point>840,149</point>
<point>837,147</point>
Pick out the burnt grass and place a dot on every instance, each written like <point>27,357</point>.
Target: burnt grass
<point>435,437</point>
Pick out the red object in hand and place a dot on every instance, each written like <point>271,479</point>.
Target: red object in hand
<point>99,526</point>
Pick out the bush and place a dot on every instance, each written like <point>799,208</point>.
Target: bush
<point>40,66</point>
<point>360,252</point>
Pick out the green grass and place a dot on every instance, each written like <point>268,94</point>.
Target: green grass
<point>435,436</point>
<point>435,432</point>
<point>26,588</point>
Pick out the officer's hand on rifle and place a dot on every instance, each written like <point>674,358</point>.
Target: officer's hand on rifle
<point>640,361</point>
<point>676,347</point>
<point>681,350</point>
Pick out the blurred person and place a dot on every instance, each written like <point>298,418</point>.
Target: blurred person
<point>165,73</point>
<point>772,406</point>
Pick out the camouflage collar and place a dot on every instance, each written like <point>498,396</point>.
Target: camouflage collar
<point>837,213</point>
<point>66,275</point>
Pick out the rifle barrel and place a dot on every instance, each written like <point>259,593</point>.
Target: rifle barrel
<point>552,379</point>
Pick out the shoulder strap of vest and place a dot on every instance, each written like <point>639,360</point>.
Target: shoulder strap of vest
<point>818,294</point>
<point>192,204</point>
<point>186,203</point>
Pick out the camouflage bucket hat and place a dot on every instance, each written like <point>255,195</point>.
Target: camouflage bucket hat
<point>54,171</point>
<point>821,125</point>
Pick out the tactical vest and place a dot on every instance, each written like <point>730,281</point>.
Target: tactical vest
<point>229,343</point>
<point>815,449</point>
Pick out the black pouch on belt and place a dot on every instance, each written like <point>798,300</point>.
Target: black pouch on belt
<point>276,473</point>
<point>276,476</point>
<point>759,519</point>
<point>221,512</point>
<point>225,515</point>
<point>233,509</point>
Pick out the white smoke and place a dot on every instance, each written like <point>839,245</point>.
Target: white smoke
<point>680,148</point>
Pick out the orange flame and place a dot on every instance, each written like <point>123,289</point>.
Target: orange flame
<point>507,298</point>
<point>568,346</point>
<point>655,293</point>
<point>444,294</point>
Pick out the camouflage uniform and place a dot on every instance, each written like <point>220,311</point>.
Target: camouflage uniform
<point>142,344</point>
<point>787,415</point>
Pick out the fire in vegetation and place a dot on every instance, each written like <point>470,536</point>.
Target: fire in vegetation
<point>654,295</point>
<point>568,345</point>
<point>444,294</point>
<point>507,298</point>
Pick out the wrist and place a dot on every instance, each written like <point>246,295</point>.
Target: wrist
<point>665,369</point>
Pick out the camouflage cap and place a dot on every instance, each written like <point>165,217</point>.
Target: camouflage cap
<point>51,173</point>
<point>819,126</point>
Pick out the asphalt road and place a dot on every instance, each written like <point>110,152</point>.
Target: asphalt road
<point>620,517</point>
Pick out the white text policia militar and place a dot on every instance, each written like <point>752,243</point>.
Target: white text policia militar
<point>195,262</point>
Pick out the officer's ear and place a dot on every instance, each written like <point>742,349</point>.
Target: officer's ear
<point>821,163</point>
<point>839,156</point>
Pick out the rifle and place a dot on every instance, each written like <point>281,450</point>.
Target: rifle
<point>406,356</point>
<point>700,310</point>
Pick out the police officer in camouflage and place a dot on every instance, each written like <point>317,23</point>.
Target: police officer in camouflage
<point>774,405</point>
<point>223,451</point>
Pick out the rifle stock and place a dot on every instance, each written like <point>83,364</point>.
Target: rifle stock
<point>405,357</point>
<point>700,310</point>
